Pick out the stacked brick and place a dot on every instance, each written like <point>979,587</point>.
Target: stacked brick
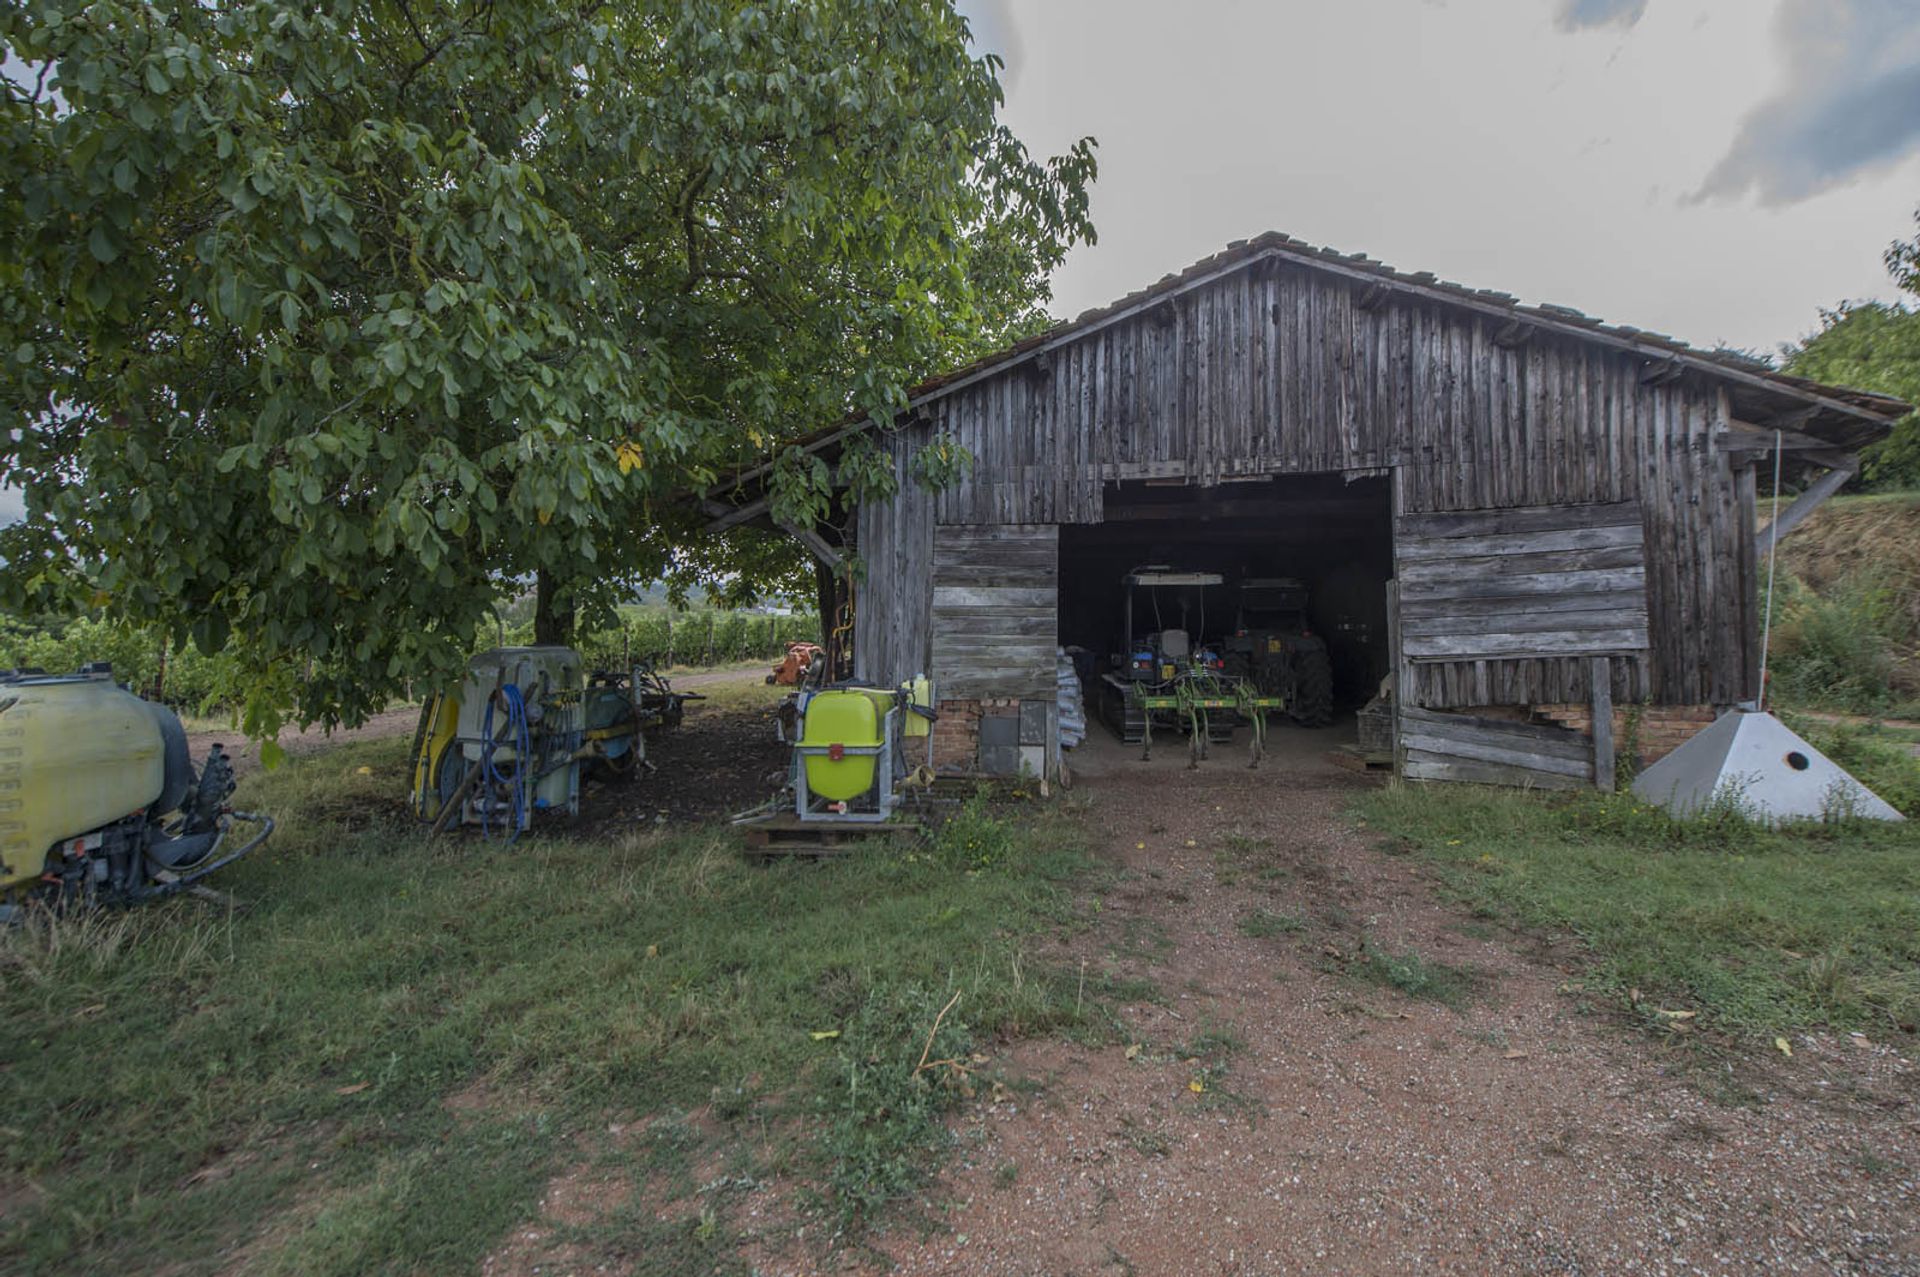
<point>956,736</point>
<point>1662,729</point>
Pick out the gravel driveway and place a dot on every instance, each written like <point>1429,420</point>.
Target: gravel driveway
<point>1273,1112</point>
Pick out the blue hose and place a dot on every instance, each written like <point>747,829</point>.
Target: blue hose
<point>523,748</point>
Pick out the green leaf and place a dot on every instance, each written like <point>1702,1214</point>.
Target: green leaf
<point>100,244</point>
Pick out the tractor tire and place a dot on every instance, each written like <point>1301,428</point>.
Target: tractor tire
<point>1312,703</point>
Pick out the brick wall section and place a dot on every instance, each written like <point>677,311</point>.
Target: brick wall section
<point>956,736</point>
<point>1663,728</point>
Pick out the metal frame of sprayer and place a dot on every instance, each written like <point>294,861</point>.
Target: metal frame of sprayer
<point>888,755</point>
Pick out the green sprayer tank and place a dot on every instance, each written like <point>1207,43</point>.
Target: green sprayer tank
<point>99,800</point>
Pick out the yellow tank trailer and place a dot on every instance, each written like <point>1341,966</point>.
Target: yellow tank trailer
<point>99,801</point>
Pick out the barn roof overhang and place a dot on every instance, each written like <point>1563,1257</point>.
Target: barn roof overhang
<point>1813,418</point>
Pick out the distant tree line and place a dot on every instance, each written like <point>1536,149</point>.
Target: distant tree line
<point>197,683</point>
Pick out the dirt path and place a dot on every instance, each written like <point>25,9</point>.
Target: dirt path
<point>1345,1127</point>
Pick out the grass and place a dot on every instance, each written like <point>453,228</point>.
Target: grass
<point>1263,924</point>
<point>1876,755</point>
<point>1413,975</point>
<point>1758,931</point>
<point>183,1081</point>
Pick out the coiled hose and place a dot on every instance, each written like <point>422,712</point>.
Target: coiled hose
<point>516,780</point>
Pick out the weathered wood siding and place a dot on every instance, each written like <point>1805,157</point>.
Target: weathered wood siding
<point>1491,751</point>
<point>1277,367</point>
<point>1536,581</point>
<point>995,599</point>
<point>893,599</point>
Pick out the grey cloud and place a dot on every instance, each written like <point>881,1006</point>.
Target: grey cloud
<point>1573,15</point>
<point>1851,103</point>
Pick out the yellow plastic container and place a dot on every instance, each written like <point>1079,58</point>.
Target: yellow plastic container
<point>850,717</point>
<point>919,690</point>
<point>75,754</point>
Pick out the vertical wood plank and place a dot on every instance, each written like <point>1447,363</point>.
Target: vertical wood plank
<point>1600,677</point>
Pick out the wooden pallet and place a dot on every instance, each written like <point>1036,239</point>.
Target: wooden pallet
<point>788,835</point>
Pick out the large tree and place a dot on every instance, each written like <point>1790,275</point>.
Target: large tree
<point>318,321</point>
<point>1876,346</point>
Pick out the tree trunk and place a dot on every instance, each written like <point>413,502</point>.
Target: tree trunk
<point>824,593</point>
<point>552,622</point>
<point>832,591</point>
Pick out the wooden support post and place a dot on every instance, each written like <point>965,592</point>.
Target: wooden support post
<point>1396,681</point>
<point>1601,674</point>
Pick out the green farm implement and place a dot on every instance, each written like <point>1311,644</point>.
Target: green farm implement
<point>1192,698</point>
<point>1170,674</point>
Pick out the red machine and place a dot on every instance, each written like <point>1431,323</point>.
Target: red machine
<point>792,670</point>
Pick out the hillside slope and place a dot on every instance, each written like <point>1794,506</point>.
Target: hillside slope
<point>1847,623</point>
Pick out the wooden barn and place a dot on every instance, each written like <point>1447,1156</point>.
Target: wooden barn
<point>1534,531</point>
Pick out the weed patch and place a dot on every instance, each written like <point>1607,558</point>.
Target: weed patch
<point>1263,924</point>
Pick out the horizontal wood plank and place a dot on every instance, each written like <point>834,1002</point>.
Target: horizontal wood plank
<point>1476,773</point>
<point>1002,596</point>
<point>1415,549</point>
<point>1582,642</point>
<point>1540,732</point>
<point>1628,602</point>
<point>1489,751</point>
<point>1522,519</point>
<point>1585,581</point>
<point>1531,564</point>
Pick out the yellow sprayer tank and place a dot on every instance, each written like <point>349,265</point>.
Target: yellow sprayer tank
<point>76,753</point>
<point>841,717</point>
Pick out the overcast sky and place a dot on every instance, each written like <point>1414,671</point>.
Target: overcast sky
<point>1717,170</point>
<point>1713,169</point>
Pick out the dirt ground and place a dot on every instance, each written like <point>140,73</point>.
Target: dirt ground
<point>714,764</point>
<point>1347,1128</point>
<point>719,762</point>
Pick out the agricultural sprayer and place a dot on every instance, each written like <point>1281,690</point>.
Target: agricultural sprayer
<point>100,803</point>
<point>519,731</point>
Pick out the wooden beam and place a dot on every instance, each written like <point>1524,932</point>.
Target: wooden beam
<point>1742,437</point>
<point>1659,372</point>
<point>739,514</point>
<point>1785,521</point>
<point>1512,335</point>
<point>822,549</point>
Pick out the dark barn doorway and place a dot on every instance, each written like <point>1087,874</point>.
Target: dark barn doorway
<point>1331,535</point>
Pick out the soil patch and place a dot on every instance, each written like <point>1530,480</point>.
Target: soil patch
<point>723,759</point>
<point>1335,1071</point>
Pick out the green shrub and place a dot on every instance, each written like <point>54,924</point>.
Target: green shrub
<point>1839,650</point>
